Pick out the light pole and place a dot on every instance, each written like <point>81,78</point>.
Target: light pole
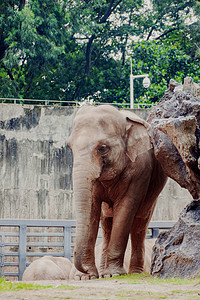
<point>146,84</point>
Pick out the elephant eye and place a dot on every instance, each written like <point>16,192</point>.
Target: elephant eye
<point>103,149</point>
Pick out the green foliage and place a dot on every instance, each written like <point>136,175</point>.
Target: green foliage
<point>72,50</point>
<point>162,61</point>
<point>33,41</point>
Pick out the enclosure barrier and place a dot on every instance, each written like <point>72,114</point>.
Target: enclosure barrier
<point>21,241</point>
<point>71,103</point>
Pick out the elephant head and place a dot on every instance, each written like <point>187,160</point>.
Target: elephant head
<point>104,142</point>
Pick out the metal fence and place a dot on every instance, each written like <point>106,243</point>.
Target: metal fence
<point>22,241</point>
<point>71,103</point>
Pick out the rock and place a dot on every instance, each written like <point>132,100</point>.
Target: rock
<point>175,123</point>
<point>176,252</point>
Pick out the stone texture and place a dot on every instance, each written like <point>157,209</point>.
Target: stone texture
<point>175,123</point>
<point>177,252</point>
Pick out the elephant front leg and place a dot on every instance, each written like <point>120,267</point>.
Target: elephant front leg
<point>114,254</point>
<point>106,225</point>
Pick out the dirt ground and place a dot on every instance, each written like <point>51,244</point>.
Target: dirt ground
<point>106,289</point>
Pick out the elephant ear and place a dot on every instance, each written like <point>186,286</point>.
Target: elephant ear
<point>138,134</point>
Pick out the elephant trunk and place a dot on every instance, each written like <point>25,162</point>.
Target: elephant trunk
<point>87,220</point>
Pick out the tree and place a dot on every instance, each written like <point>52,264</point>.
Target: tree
<point>101,35</point>
<point>31,38</point>
<point>74,49</point>
<point>162,61</point>
<point>97,30</point>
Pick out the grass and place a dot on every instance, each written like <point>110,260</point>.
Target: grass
<point>147,278</point>
<point>6,285</point>
<point>142,295</point>
<point>62,291</point>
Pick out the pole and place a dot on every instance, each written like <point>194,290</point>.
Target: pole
<point>131,88</point>
<point>132,77</point>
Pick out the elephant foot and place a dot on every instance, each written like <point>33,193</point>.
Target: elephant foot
<point>134,270</point>
<point>77,275</point>
<point>112,271</point>
<point>83,276</point>
<point>136,265</point>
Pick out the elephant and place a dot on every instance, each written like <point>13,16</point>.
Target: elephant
<point>48,268</point>
<point>149,243</point>
<point>116,181</point>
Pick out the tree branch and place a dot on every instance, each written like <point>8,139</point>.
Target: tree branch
<point>158,19</point>
<point>21,4</point>
<point>165,33</point>
<point>115,6</point>
<point>10,74</point>
<point>126,38</point>
<point>109,11</point>
<point>88,54</point>
<point>150,32</point>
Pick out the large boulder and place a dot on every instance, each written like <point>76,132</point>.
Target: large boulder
<point>176,252</point>
<point>175,123</point>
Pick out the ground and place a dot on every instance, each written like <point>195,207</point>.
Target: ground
<point>125,287</point>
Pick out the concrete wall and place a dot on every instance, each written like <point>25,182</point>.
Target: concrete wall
<point>35,162</point>
<point>36,165</point>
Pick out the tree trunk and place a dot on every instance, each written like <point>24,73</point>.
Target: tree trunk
<point>21,4</point>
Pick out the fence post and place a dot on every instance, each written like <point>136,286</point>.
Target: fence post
<point>22,250</point>
<point>2,254</point>
<point>67,241</point>
<point>155,233</point>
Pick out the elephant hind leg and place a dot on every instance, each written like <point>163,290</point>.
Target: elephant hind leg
<point>138,234</point>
